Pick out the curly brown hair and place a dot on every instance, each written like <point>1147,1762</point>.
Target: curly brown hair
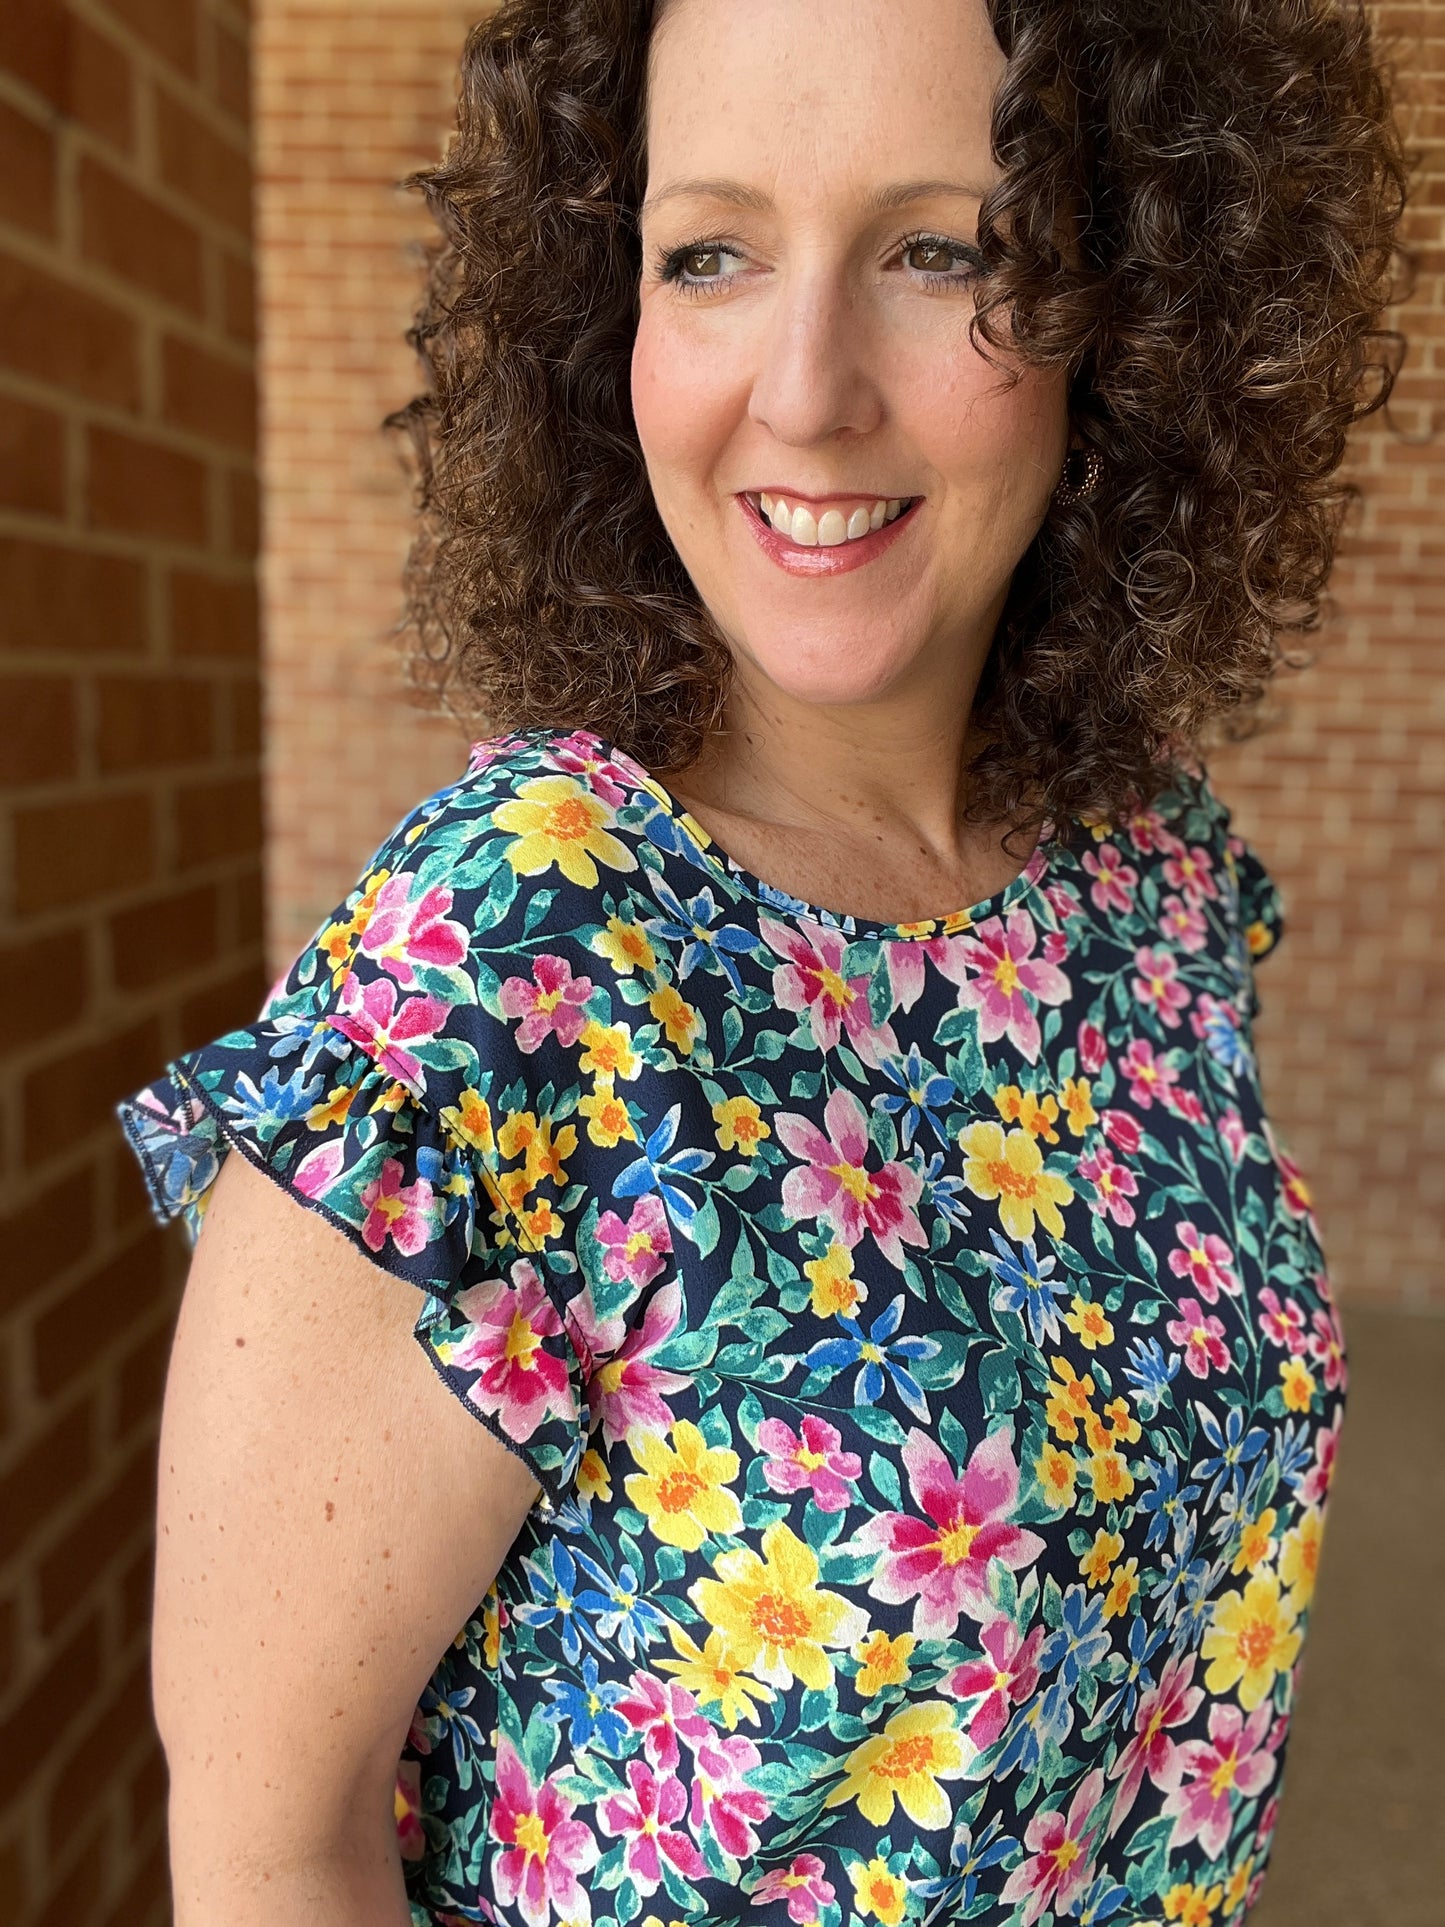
<point>1240,178</point>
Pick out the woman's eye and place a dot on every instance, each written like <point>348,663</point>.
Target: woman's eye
<point>931,256</point>
<point>697,268</point>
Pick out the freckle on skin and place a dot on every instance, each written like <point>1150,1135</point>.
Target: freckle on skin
<point>330,1510</point>
<point>240,1341</point>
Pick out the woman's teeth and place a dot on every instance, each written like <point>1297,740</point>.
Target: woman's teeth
<point>800,525</point>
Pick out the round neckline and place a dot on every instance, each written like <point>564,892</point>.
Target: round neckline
<point>709,855</point>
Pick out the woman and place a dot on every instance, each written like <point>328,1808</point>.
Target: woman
<point>895,1377</point>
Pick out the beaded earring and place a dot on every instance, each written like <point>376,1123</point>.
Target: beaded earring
<point>1067,492</point>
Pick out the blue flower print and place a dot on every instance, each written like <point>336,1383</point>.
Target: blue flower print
<point>1027,1288</point>
<point>880,1355</point>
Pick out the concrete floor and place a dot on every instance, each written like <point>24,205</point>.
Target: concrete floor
<point>1361,1839</point>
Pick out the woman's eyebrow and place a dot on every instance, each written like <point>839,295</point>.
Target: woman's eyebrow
<point>899,194</point>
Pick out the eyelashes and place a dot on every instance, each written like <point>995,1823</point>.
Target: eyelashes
<point>670,263</point>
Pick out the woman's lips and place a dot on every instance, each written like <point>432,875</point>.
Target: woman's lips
<point>835,560</point>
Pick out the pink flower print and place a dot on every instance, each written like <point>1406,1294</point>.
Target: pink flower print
<point>551,1004</point>
<point>1186,1104</point>
<point>1056,946</point>
<point>811,981</point>
<point>1326,1344</point>
<point>626,1392</point>
<point>1157,986</point>
<point>319,1169</point>
<point>723,1804</point>
<point>404,931</point>
<point>1063,901</point>
<point>1173,1702</point>
<point>1233,1132</point>
<point>646,1819</point>
<point>1149,1076</point>
<point>1191,872</point>
<point>810,1461</point>
<point>835,1185</point>
<point>1093,1050</point>
<point>405,1213</point>
<point>941,1560</point>
<point>406,1806</point>
<point>1114,1183</point>
<point>1114,880</point>
<point>637,1250</point>
<point>581,755</point>
<point>1202,1337</point>
<point>1004,1678</point>
<point>1282,1324</point>
<point>1233,1760</point>
<point>907,961</point>
<point>1008,977</point>
<point>1062,1865</point>
<point>802,1884</point>
<point>1293,1189</point>
<point>1182,923</point>
<point>1314,1487</point>
<point>1148,832</point>
<point>371,1016</point>
<point>543,1847</point>
<point>662,1712</point>
<point>509,1322</point>
<point>1206,1261</point>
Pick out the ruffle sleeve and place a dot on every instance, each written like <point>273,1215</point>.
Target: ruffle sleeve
<point>367,1089</point>
<point>1258,908</point>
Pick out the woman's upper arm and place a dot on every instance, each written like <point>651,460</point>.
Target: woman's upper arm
<point>329,1518</point>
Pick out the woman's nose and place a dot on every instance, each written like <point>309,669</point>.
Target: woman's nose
<point>813,376</point>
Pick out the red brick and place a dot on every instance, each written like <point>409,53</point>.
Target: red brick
<point>220,1007</point>
<point>57,599</point>
<point>59,333</point>
<point>147,1890</point>
<point>168,937</point>
<point>32,458</point>
<point>135,1589</point>
<point>56,1463</point>
<point>54,977</point>
<point>136,238</point>
<point>213,615</point>
<point>43,751</point>
<point>69,1571</point>
<point>238,298</point>
<point>33,43</point>
<point>45,1234</point>
<point>164,25</point>
<point>101,84</point>
<point>233,71</point>
<point>208,394</point>
<point>92,1753</point>
<point>242,715</point>
<point>201,164</point>
<point>141,1379</point>
<point>27,171</point>
<point>68,852</point>
<point>217,820</point>
<point>250,911</point>
<point>107,1070</point>
<point>76,1898</point>
<point>148,722</point>
<point>243,513</point>
<point>145,488</point>
<point>9,1651</point>
<point>145,1796</point>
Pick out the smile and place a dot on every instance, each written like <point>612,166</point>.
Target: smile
<point>832,537</point>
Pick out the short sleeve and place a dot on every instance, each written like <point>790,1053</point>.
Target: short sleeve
<point>371,1088</point>
<point>1255,900</point>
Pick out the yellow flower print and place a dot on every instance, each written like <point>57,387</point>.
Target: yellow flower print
<point>556,821</point>
<point>338,939</point>
<point>777,1621</point>
<point>1259,937</point>
<point>540,1222</point>
<point>469,1120</point>
<point>395,1097</point>
<point>1067,1406</point>
<point>676,1015</point>
<point>1299,1384</point>
<point>594,1481</point>
<point>740,1125</point>
<point>608,1119</point>
<point>1098,1561</point>
<point>1089,1323</point>
<point>1011,1170</point>
<point>1122,1588</point>
<point>491,1629</point>
<point>1299,1557</point>
<point>682,1488</point>
<point>1078,1106</point>
<point>1251,1638</point>
<point>878,1892</point>
<point>1238,1884</point>
<point>1192,1906</point>
<point>905,1762</point>
<point>339,1101</point>
<point>607,1051</point>
<point>1104,1430</point>
<point>1110,1477</point>
<point>1056,1472</point>
<point>1036,1115</point>
<point>625,946</point>
<point>884,1662</point>
<point>1256,1543</point>
<point>836,1292</point>
<point>709,1674</point>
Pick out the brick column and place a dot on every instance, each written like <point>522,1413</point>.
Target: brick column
<point>1346,802</point>
<point>130,863</point>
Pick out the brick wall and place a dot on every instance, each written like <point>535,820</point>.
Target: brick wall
<point>130,900</point>
<point>1346,802</point>
<point>350,95</point>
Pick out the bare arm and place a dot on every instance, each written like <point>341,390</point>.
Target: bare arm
<point>329,1517</point>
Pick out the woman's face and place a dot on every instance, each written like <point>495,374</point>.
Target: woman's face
<point>814,176</point>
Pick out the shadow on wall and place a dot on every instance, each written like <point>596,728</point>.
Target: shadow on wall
<point>1360,1840</point>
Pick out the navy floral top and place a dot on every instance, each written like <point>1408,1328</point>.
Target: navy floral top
<point>918,1335</point>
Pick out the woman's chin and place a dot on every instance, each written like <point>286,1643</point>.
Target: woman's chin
<point>834,676</point>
